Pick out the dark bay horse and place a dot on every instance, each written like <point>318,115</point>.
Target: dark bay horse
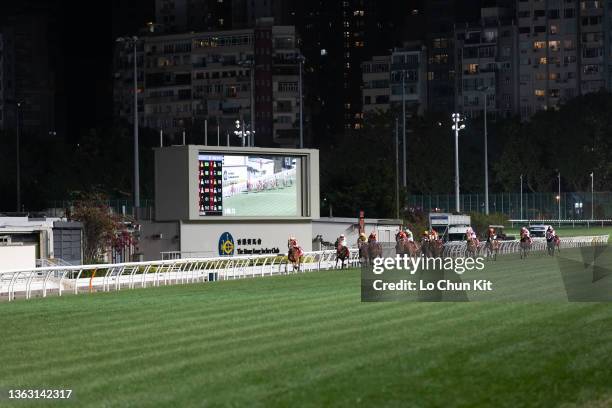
<point>342,255</point>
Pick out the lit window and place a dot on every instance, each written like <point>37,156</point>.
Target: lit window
<point>539,45</point>
<point>539,92</point>
<point>472,68</point>
<point>542,61</point>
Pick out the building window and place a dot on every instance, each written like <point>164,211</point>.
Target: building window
<point>539,93</point>
<point>542,61</point>
<point>554,45</point>
<point>537,45</point>
<point>554,29</point>
<point>472,68</point>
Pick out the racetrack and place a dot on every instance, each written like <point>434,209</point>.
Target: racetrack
<point>268,203</point>
<point>306,339</point>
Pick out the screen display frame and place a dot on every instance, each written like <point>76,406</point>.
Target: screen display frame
<point>302,183</point>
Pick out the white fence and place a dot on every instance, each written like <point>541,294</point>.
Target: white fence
<point>537,244</point>
<point>58,280</point>
<point>89,278</point>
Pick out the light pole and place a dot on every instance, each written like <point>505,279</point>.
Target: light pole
<point>17,157</point>
<point>251,65</point>
<point>592,196</point>
<point>521,196</point>
<point>559,196</point>
<point>301,60</point>
<point>484,91</point>
<point>134,42</point>
<point>396,169</point>
<point>405,184</point>
<point>457,126</point>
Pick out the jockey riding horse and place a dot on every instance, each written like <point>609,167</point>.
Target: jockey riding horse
<point>295,253</point>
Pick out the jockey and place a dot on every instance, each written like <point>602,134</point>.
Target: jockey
<point>292,243</point>
<point>433,235</point>
<point>525,233</point>
<point>409,235</point>
<point>372,237</point>
<point>361,240</point>
<point>401,235</point>
<point>341,241</point>
<point>550,233</point>
<point>471,235</point>
<point>491,234</point>
<point>425,235</point>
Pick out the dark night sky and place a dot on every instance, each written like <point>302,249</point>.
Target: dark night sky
<point>81,41</point>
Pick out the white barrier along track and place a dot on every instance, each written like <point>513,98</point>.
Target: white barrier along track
<point>107,277</point>
<point>537,244</point>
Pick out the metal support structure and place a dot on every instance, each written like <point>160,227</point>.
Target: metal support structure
<point>136,143</point>
<point>300,91</point>
<point>404,159</point>
<point>252,139</point>
<point>161,137</point>
<point>486,156</point>
<point>397,211</point>
<point>559,196</point>
<point>521,196</point>
<point>456,127</point>
<point>18,157</point>
<point>592,196</point>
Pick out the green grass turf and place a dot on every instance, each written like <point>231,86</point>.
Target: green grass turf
<point>307,340</point>
<point>269,203</point>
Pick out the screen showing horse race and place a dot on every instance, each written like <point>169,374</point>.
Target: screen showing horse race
<point>247,185</point>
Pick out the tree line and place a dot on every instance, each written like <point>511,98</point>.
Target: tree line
<point>357,168</point>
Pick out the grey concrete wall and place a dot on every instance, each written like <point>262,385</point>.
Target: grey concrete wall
<point>172,188</point>
<point>158,237</point>
<point>203,237</point>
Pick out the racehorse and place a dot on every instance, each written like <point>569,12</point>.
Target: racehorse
<point>342,254</point>
<point>471,247</point>
<point>525,247</point>
<point>552,243</point>
<point>373,250</point>
<point>295,257</point>
<point>364,255</point>
<point>492,248</point>
<point>432,248</point>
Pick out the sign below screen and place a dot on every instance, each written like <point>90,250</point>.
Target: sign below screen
<point>248,185</point>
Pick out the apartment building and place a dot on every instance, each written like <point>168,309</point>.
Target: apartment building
<point>384,77</point>
<point>197,79</point>
<point>564,51</point>
<point>376,87</point>
<point>487,68</point>
<point>409,71</point>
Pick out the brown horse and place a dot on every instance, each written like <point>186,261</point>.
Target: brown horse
<point>404,246</point>
<point>375,250</point>
<point>492,248</point>
<point>342,254</point>
<point>432,248</point>
<point>363,252</point>
<point>295,257</point>
<point>525,247</point>
<point>471,247</point>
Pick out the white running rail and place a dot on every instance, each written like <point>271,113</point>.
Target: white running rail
<point>58,280</point>
<point>538,244</point>
<point>108,277</point>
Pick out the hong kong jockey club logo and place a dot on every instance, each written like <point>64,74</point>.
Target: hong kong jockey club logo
<point>226,244</point>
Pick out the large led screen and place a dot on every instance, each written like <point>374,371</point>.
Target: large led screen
<point>248,185</point>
